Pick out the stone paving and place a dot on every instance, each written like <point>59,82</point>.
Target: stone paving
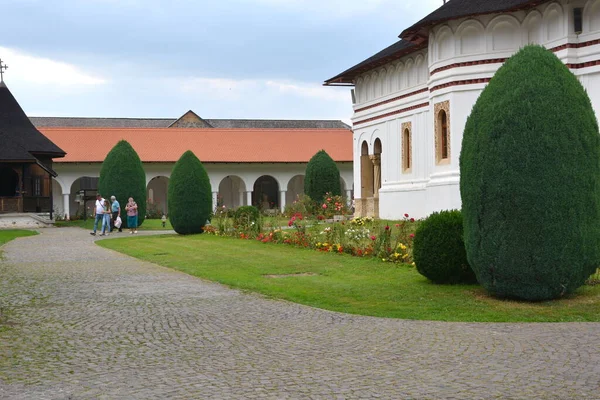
<point>83,322</point>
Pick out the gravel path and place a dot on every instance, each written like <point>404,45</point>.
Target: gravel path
<point>83,322</point>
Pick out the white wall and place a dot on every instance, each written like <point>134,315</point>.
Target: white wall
<point>464,50</point>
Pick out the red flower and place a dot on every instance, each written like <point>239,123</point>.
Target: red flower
<point>406,215</point>
<point>412,220</point>
<point>397,225</point>
<point>412,235</point>
<point>373,237</point>
<point>387,228</point>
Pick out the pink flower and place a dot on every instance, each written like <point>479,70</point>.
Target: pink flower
<point>373,237</point>
<point>397,225</point>
<point>324,206</point>
<point>412,235</point>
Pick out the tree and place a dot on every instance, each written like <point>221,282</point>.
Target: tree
<point>530,180</point>
<point>322,176</point>
<point>122,175</point>
<point>189,195</point>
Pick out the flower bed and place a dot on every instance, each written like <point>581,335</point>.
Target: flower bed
<point>360,237</point>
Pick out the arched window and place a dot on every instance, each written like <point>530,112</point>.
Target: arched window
<point>444,135</point>
<point>406,151</point>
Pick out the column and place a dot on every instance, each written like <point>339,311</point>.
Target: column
<point>349,198</point>
<point>241,198</point>
<point>282,199</point>
<point>376,159</point>
<point>66,209</point>
<point>214,200</point>
<point>249,198</point>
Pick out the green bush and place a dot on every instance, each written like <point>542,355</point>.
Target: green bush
<point>530,180</point>
<point>322,176</point>
<point>122,175</point>
<point>190,195</point>
<point>439,250</point>
<point>245,215</point>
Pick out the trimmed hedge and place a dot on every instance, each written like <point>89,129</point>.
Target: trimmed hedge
<point>322,176</point>
<point>190,195</point>
<point>439,250</point>
<point>530,180</point>
<point>122,175</point>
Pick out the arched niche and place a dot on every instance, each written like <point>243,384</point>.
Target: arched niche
<point>532,26</point>
<point>400,76</point>
<point>445,43</point>
<point>471,37</point>
<point>409,71</point>
<point>553,18</point>
<point>504,34</point>
<point>592,11</point>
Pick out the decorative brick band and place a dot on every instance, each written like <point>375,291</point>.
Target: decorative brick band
<point>364,121</point>
<point>584,64</point>
<point>460,83</point>
<point>502,60</point>
<point>392,100</point>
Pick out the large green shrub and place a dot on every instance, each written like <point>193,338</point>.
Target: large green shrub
<point>190,195</point>
<point>530,180</point>
<point>122,175</point>
<point>322,176</point>
<point>439,249</point>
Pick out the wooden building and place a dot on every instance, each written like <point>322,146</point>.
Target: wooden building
<point>25,161</point>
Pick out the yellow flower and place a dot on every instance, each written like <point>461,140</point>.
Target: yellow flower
<point>405,256</point>
<point>396,255</point>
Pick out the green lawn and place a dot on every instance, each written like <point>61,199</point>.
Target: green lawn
<point>6,235</point>
<point>344,283</point>
<point>148,225</point>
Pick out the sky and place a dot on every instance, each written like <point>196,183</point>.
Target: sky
<point>231,59</point>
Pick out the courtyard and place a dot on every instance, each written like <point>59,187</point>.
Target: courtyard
<point>87,322</point>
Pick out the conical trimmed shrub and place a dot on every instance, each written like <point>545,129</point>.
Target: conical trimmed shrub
<point>190,195</point>
<point>322,176</point>
<point>122,175</point>
<point>530,180</point>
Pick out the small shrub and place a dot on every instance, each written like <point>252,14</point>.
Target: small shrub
<point>247,220</point>
<point>439,250</point>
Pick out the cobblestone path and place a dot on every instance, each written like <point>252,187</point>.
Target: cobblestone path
<point>89,323</point>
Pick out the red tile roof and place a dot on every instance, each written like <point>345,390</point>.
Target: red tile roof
<point>209,145</point>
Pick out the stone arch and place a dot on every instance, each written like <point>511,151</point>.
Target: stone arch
<point>82,196</point>
<point>265,194</point>
<point>471,37</point>
<point>366,171</point>
<point>591,14</point>
<point>532,28</point>
<point>156,195</point>
<point>295,188</point>
<point>503,33</point>
<point>376,159</point>
<point>231,192</point>
<point>553,26</point>
<point>445,43</point>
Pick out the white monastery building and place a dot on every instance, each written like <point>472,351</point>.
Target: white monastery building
<point>249,162</point>
<point>412,99</point>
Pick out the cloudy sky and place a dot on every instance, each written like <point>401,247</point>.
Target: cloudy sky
<point>222,59</point>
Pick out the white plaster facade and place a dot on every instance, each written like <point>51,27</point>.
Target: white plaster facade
<point>289,178</point>
<point>460,58</point>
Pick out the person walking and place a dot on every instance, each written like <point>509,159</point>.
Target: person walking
<point>98,212</point>
<point>106,218</point>
<point>132,215</point>
<point>116,212</point>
